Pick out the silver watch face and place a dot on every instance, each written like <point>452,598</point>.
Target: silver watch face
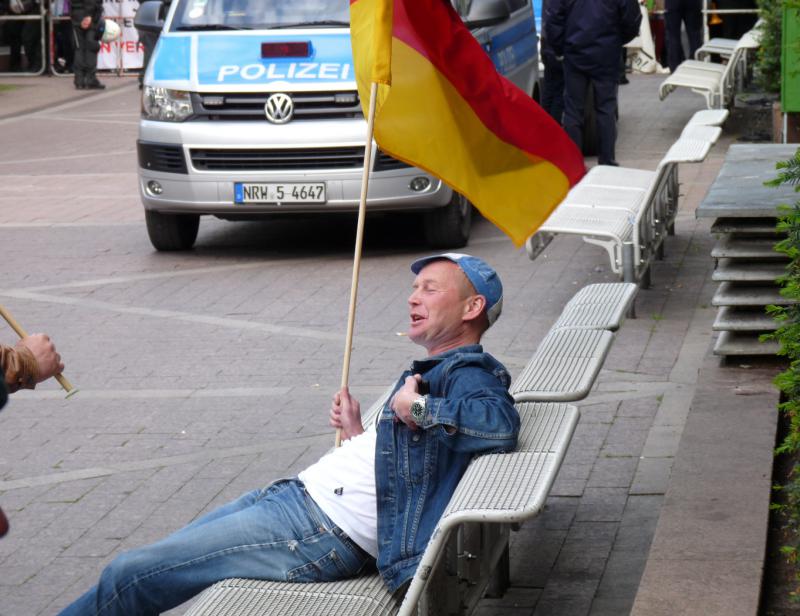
<point>418,409</point>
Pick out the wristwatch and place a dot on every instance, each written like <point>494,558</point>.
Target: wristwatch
<point>419,409</point>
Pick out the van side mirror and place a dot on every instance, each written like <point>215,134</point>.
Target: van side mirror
<point>484,13</point>
<point>148,17</point>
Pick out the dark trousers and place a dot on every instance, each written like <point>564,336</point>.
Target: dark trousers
<point>576,85</point>
<point>553,87</point>
<point>86,46</point>
<point>733,26</point>
<point>687,12</point>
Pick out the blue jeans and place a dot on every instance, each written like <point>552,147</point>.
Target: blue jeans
<point>278,533</point>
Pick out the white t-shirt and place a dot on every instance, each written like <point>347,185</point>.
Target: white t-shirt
<point>342,483</point>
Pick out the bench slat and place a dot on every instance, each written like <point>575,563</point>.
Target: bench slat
<point>605,197</point>
<point>598,306</point>
<point>709,117</point>
<point>605,175</point>
<point>702,133</point>
<point>362,596</point>
<point>564,367</point>
<point>546,426</point>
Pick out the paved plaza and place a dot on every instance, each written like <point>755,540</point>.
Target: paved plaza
<point>209,373</point>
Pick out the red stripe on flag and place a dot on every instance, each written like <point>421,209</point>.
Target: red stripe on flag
<point>434,30</point>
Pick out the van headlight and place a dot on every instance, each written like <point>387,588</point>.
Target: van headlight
<point>166,105</point>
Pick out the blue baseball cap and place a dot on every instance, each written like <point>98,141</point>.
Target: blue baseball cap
<point>482,276</point>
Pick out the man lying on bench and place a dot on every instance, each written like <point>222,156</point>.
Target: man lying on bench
<point>376,499</point>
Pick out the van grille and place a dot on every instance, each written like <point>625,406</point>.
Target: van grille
<point>266,160</point>
<point>161,157</point>
<point>250,106</point>
<point>384,162</point>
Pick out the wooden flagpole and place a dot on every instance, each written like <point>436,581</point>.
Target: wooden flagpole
<point>362,210</point>
<point>68,387</point>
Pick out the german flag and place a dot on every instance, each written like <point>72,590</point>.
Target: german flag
<point>443,107</point>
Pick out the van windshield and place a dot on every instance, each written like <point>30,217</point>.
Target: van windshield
<point>259,14</point>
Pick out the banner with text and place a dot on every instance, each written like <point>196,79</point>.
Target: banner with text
<point>126,52</point>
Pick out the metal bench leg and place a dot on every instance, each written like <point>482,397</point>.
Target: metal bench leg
<point>628,266</point>
<point>631,312</point>
<point>646,279</point>
<point>501,577</point>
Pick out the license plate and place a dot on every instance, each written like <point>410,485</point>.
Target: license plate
<point>278,193</point>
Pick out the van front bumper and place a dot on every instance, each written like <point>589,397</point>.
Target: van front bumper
<point>184,186</point>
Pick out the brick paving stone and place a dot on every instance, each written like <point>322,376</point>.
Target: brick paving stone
<point>613,472</point>
<point>533,553</point>
<point>617,589</point>
<point>602,504</point>
<point>515,602</point>
<point>652,476</point>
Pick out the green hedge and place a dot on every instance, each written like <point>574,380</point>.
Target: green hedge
<point>768,55</point>
<point>788,334</point>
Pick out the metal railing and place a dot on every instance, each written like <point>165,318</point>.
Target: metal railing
<point>709,11</point>
<point>49,17</point>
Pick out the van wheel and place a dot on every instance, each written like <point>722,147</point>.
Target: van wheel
<point>449,226</point>
<point>171,231</point>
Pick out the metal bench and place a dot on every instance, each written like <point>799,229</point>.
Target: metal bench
<point>469,547</point>
<point>723,47</point>
<point>627,211</point>
<point>565,365</point>
<point>716,82</point>
<point>496,492</point>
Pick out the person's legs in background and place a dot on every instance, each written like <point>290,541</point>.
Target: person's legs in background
<point>553,87</point>
<point>85,62</point>
<point>673,18</point>
<point>79,57</point>
<point>693,20</point>
<point>64,47</point>
<point>605,105</point>
<point>12,33</point>
<point>575,85</point>
<point>32,43</point>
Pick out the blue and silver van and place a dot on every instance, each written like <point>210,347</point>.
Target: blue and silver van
<point>250,109</point>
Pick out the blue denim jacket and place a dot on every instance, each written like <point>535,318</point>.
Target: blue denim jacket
<point>416,471</point>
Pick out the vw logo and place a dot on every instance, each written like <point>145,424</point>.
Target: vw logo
<point>279,108</point>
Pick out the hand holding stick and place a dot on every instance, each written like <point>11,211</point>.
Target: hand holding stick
<point>68,387</point>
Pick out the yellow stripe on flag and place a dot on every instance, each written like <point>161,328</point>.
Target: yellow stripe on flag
<point>513,189</point>
<point>371,37</point>
<point>382,43</point>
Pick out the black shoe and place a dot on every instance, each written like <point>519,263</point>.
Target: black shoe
<point>609,163</point>
<point>79,85</point>
<point>95,85</point>
<point>623,80</point>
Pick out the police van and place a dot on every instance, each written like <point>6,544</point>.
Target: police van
<point>250,110</point>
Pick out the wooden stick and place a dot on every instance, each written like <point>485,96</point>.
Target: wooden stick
<point>362,210</point>
<point>68,387</point>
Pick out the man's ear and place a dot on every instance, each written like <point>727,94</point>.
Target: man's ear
<point>473,307</point>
